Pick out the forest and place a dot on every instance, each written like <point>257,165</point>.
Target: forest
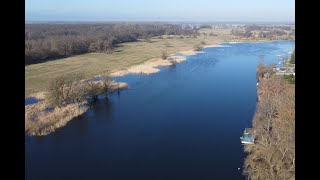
<point>45,42</point>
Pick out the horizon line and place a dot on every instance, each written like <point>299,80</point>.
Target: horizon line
<point>154,21</point>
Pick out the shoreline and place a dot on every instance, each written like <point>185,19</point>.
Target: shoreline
<point>150,67</point>
<point>252,40</point>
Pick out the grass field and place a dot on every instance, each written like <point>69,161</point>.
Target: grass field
<point>126,55</point>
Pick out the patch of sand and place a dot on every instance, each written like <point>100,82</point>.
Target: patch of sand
<point>190,52</point>
<point>216,45</point>
<point>212,45</point>
<point>148,67</point>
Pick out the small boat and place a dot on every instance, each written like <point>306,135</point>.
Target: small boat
<point>247,137</point>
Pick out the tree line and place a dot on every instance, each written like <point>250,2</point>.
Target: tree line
<point>263,31</point>
<point>273,154</point>
<point>44,42</point>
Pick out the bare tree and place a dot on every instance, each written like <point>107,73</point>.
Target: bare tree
<point>63,91</point>
<point>164,54</point>
<point>106,82</point>
<point>94,88</point>
<point>107,46</point>
<point>78,93</point>
<point>197,47</point>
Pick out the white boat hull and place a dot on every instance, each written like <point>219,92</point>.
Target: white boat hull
<point>245,142</point>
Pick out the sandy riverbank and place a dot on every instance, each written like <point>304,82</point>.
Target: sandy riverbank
<point>215,45</point>
<point>190,52</point>
<point>150,66</point>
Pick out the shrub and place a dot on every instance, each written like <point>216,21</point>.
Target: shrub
<point>197,47</point>
<point>293,58</point>
<point>289,78</point>
<point>174,62</point>
<point>106,82</point>
<point>93,88</point>
<point>164,54</point>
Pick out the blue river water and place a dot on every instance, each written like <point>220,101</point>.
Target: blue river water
<point>183,122</point>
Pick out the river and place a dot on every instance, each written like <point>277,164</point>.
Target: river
<point>183,122</point>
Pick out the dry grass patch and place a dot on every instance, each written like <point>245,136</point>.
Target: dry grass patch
<point>40,122</point>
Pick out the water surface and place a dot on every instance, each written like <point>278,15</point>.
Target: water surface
<point>31,100</point>
<point>181,123</point>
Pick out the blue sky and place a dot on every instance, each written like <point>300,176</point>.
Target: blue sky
<point>160,10</point>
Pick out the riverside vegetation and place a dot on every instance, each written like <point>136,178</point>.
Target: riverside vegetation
<point>273,154</point>
<point>64,100</point>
